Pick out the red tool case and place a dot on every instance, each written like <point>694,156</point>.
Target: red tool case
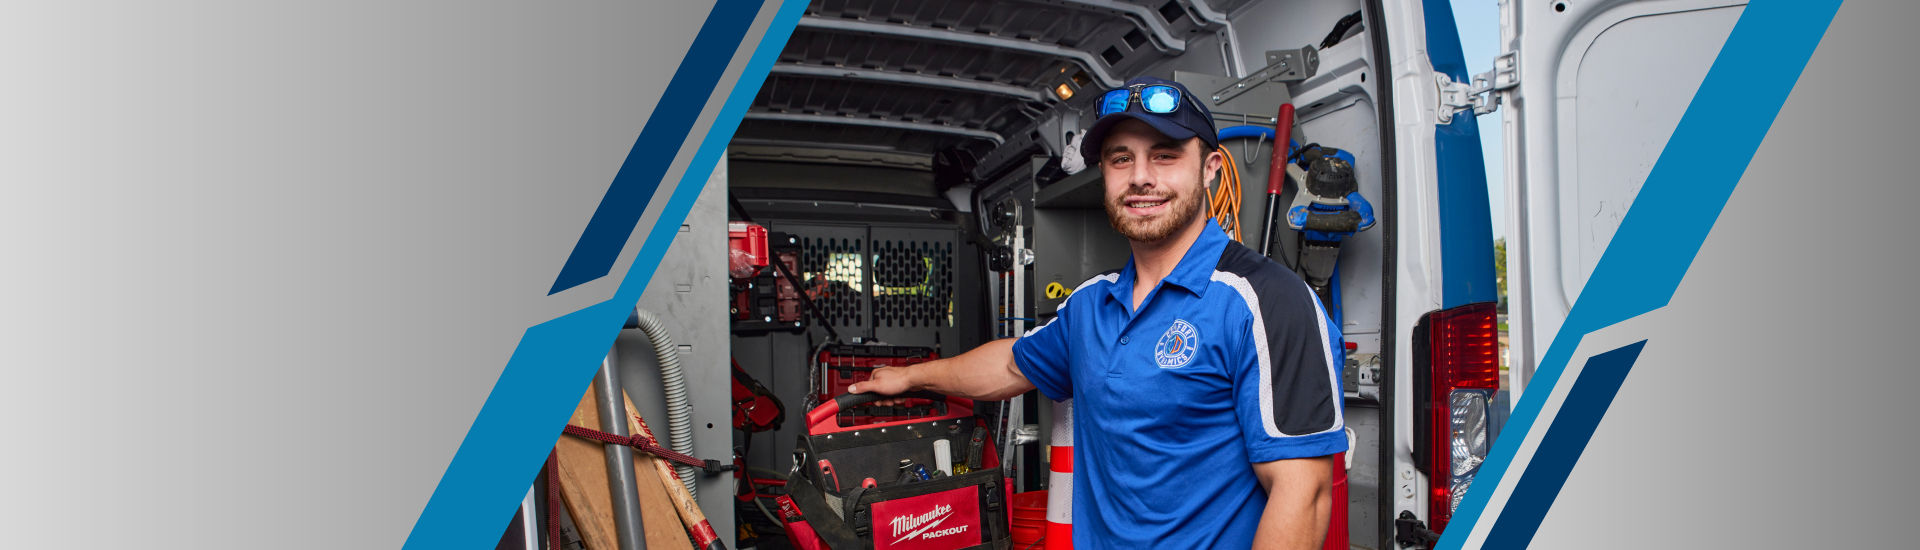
<point>843,365</point>
<point>828,505</point>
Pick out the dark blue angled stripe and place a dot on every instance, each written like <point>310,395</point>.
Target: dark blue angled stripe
<point>659,143</point>
<point>1586,403</point>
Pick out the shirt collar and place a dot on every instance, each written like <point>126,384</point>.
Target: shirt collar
<point>1193,273</point>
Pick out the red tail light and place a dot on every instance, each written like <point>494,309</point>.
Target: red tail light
<point>1465,354</point>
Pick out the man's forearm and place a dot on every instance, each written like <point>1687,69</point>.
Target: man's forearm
<point>986,372</point>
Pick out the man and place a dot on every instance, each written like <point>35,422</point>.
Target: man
<point>1206,394</point>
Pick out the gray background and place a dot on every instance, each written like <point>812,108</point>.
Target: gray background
<point>1772,407</point>
<point>264,262</point>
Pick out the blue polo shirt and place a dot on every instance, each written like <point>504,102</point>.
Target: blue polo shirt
<point>1230,361</point>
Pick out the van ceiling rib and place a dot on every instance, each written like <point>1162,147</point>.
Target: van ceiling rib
<point>1085,59</point>
<point>1148,19</point>
<point>1205,12</point>
<point>880,123</point>
<point>914,79</point>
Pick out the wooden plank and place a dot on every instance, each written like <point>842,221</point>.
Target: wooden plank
<point>584,490</point>
<point>690,513</point>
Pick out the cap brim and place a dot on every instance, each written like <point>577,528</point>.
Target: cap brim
<point>1097,135</point>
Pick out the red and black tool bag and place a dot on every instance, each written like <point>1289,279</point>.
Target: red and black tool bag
<point>833,509</point>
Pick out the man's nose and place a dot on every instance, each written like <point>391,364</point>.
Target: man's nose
<point>1139,178</point>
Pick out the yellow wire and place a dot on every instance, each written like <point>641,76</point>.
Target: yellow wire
<point>1225,207</point>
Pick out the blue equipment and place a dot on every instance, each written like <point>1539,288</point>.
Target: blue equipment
<point>1326,210</point>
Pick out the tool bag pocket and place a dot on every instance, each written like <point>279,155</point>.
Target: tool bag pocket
<point>850,486</point>
<point>965,511</point>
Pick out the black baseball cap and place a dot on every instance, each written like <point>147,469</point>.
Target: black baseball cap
<point>1189,119</point>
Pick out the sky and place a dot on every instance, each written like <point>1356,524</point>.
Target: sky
<point>1479,22</point>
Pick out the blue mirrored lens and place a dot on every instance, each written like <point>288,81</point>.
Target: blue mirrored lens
<point>1160,99</point>
<point>1114,101</point>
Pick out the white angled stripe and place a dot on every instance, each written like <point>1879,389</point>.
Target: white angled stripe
<point>1108,277</point>
<point>1239,284</point>
<point>1261,348</point>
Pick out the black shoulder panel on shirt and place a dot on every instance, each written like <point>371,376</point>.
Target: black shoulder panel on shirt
<point>1300,371</point>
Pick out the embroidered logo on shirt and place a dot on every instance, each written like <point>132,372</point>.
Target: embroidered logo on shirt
<point>1177,346</point>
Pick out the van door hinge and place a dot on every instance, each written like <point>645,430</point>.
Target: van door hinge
<point>1483,95</point>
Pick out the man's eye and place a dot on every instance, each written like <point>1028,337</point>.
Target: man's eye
<point>1163,157</point>
<point>1119,159</point>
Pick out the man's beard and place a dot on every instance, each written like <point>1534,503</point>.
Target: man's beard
<point>1180,213</point>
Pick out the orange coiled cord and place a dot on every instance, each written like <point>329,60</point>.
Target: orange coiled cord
<point>1224,207</point>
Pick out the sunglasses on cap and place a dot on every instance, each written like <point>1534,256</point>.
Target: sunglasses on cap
<point>1154,98</point>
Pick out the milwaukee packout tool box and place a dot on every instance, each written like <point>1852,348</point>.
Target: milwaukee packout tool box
<point>843,365</point>
<point>929,483</point>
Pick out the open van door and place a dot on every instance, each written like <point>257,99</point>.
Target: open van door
<point>1591,92</point>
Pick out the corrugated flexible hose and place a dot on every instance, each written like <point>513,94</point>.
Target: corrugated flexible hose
<point>673,383</point>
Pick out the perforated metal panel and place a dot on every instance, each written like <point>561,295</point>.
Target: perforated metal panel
<point>913,283</point>
<point>834,269</point>
<point>879,277</point>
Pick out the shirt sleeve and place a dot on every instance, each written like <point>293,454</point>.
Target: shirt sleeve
<point>1041,356</point>
<point>1287,382</point>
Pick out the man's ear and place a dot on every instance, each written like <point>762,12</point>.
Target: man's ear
<point>1215,160</point>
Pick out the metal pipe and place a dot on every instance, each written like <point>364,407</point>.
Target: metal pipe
<point>620,478</point>
<point>531,528</point>
<point>1016,309</point>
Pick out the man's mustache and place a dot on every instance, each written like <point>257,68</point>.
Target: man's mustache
<point>1138,191</point>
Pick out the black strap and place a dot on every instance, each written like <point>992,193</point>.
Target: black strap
<point>974,446</point>
<point>851,504</point>
<point>813,506</point>
<point>1340,30</point>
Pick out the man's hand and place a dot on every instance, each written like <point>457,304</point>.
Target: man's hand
<point>986,372</point>
<point>888,381</point>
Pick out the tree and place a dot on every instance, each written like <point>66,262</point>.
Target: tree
<point>1500,272</point>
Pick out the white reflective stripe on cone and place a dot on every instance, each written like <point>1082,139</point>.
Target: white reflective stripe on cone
<point>1060,498</point>
<point>1060,479</point>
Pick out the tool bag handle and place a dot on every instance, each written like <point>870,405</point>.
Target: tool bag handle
<point>821,417</point>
